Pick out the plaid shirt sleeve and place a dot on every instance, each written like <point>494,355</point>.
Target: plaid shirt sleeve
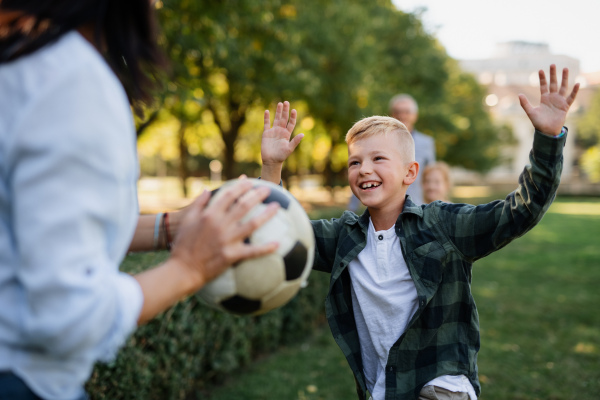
<point>327,234</point>
<point>476,231</point>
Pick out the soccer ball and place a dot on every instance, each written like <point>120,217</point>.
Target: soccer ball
<point>258,285</point>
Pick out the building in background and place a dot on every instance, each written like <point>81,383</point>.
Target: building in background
<point>513,69</point>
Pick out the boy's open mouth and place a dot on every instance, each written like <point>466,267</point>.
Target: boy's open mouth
<point>370,185</point>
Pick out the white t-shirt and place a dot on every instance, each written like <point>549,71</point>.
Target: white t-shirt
<point>384,299</point>
<point>68,210</point>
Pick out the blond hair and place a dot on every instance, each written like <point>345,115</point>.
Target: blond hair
<point>380,125</point>
<point>444,169</point>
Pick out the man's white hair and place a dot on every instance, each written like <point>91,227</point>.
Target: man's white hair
<point>403,97</point>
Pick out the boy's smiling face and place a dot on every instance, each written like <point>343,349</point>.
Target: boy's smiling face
<point>378,173</point>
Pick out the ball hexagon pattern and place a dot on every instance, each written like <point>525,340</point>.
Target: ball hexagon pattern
<point>258,285</point>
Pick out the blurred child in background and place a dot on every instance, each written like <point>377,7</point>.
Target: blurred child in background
<point>436,182</point>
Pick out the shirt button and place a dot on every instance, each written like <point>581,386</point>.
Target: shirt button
<point>380,237</point>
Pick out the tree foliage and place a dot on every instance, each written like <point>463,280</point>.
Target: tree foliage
<point>588,129</point>
<point>337,61</point>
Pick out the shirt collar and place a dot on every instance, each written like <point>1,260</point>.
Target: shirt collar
<point>363,220</point>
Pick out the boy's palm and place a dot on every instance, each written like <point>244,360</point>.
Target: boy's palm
<point>549,117</point>
<point>276,145</point>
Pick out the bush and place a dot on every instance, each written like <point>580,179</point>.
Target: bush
<point>189,347</point>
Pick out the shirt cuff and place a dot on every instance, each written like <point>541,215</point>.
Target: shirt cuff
<point>549,146</point>
<point>130,302</point>
<point>280,181</point>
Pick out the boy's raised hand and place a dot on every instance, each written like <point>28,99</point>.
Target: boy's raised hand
<point>276,145</point>
<point>549,117</point>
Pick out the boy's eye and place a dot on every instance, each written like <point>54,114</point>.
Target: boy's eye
<point>351,163</point>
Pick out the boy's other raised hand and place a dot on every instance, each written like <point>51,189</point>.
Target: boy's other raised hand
<point>549,117</point>
<point>276,145</point>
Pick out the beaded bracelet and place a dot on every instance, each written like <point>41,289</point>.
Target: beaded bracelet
<point>166,229</point>
<point>562,133</point>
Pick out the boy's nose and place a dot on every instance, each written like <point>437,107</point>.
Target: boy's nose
<point>365,168</point>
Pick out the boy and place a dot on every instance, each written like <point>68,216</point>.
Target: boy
<point>399,302</point>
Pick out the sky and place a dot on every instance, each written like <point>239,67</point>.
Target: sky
<point>469,29</point>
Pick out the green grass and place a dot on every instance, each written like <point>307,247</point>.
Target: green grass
<point>314,369</point>
<point>538,301</point>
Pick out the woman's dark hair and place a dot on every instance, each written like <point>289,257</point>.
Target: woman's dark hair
<point>125,30</point>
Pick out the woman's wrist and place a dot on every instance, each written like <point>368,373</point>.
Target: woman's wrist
<point>165,285</point>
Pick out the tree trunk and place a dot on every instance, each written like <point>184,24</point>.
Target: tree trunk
<point>237,117</point>
<point>184,173</point>
<point>229,138</point>
<point>328,174</point>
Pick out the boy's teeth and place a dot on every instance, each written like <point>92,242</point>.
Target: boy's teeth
<point>369,185</point>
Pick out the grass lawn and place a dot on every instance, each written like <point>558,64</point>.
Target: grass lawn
<point>538,301</point>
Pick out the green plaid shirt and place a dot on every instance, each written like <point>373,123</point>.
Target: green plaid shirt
<point>440,242</point>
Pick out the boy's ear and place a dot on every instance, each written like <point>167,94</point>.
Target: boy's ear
<point>411,173</point>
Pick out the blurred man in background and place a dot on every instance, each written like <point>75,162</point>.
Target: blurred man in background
<point>404,108</point>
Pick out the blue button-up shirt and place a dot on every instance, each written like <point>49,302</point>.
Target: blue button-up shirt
<point>68,209</point>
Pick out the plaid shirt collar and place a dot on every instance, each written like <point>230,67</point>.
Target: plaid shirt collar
<point>363,220</point>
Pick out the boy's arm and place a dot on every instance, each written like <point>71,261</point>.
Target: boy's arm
<point>276,145</point>
<point>478,231</point>
<point>327,234</point>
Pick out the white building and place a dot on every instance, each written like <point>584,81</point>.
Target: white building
<point>513,69</point>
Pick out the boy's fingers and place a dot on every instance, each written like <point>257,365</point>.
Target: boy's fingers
<point>285,114</point>
<point>573,94</point>
<point>292,122</point>
<point>525,103</point>
<point>296,140</point>
<point>543,82</point>
<point>564,83</point>
<point>267,120</point>
<point>553,81</point>
<point>278,110</point>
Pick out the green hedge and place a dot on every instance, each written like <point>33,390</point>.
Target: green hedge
<point>179,354</point>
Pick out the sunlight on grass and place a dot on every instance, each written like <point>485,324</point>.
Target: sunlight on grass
<point>471,191</point>
<point>579,208</point>
<point>585,348</point>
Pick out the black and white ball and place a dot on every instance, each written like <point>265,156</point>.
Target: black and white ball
<point>258,285</point>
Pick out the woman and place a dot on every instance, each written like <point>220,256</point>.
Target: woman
<point>68,206</point>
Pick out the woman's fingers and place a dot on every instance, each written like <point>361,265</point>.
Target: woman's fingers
<point>246,202</point>
<point>229,195</point>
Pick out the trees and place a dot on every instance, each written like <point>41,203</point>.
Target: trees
<point>339,61</point>
<point>589,137</point>
<point>227,56</point>
<point>465,134</point>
